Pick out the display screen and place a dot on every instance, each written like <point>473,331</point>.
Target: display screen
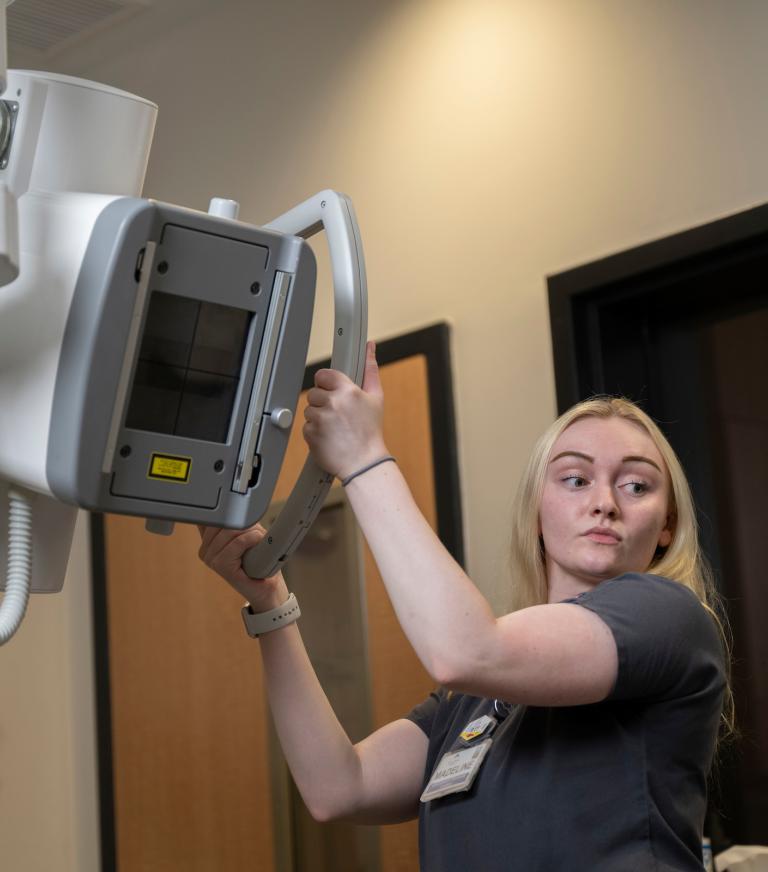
<point>189,368</point>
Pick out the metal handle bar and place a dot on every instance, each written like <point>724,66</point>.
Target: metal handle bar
<point>332,212</point>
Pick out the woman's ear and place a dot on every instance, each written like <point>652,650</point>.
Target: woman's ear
<point>665,537</point>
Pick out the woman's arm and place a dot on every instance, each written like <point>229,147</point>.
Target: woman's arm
<point>558,654</point>
<point>547,655</point>
<point>376,781</point>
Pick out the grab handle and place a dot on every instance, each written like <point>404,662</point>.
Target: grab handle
<point>332,212</point>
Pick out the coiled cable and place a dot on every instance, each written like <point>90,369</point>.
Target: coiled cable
<point>19,575</point>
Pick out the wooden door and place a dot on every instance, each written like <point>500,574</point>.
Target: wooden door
<point>189,729</point>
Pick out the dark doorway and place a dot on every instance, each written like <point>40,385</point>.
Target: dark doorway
<point>681,326</point>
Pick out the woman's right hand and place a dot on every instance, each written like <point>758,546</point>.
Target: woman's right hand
<point>222,550</point>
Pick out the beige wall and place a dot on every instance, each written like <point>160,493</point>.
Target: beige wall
<point>48,798</point>
<point>486,144</point>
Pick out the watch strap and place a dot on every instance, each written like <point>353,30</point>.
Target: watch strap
<point>259,623</point>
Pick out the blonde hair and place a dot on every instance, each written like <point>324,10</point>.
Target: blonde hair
<point>682,560</point>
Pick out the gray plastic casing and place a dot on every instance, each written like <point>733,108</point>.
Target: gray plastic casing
<point>93,459</point>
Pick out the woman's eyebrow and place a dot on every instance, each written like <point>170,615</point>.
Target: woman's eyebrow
<point>573,454</point>
<point>640,459</point>
<point>637,458</point>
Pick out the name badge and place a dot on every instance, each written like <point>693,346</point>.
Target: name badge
<point>456,771</point>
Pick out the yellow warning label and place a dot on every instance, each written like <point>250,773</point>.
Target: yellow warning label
<point>170,468</point>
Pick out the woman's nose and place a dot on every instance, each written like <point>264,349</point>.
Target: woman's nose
<point>604,503</point>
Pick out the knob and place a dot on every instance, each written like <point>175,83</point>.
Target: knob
<point>282,418</point>
<point>224,208</point>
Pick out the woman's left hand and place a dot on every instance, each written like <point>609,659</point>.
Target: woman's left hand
<point>344,422</point>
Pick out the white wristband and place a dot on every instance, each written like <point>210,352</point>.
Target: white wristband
<point>258,623</point>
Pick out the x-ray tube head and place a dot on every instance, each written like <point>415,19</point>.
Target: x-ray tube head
<point>151,356</point>
<point>183,333</point>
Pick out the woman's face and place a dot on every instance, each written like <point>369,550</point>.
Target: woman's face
<point>605,504</point>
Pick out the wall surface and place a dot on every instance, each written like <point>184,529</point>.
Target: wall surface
<point>486,144</point>
<point>48,796</point>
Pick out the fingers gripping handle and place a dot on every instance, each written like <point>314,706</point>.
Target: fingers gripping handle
<point>332,212</point>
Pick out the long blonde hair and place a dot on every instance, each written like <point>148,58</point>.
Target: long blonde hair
<point>682,560</point>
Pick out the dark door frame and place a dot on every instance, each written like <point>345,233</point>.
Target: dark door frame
<point>633,319</point>
<point>578,297</point>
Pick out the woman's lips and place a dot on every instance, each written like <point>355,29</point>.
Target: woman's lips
<point>603,535</point>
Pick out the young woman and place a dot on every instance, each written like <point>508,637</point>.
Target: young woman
<point>575,732</point>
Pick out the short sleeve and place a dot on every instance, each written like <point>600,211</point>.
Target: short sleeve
<point>668,644</point>
<point>423,715</point>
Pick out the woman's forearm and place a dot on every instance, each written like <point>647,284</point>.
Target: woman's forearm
<point>322,760</point>
<point>335,778</point>
<point>446,619</point>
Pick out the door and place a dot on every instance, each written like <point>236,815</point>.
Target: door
<point>184,723</point>
<point>681,324</point>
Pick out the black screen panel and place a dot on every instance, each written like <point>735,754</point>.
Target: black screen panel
<point>189,366</point>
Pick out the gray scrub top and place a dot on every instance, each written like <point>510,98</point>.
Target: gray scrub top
<point>612,786</point>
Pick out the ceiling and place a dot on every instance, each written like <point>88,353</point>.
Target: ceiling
<point>54,34</point>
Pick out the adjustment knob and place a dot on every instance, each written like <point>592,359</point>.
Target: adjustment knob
<point>282,418</point>
<point>224,208</point>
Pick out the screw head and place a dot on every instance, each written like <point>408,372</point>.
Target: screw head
<point>125,451</point>
<point>162,267</point>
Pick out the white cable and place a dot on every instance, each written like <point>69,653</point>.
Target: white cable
<point>17,583</point>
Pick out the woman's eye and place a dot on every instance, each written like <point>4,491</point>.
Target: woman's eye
<point>636,488</point>
<point>575,481</point>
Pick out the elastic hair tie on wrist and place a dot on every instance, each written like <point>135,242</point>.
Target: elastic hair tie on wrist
<point>348,479</point>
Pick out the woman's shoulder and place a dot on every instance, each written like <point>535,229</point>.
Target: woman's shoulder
<point>444,700</point>
<point>645,590</point>
<point>440,709</point>
<point>664,634</point>
<point>642,597</point>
